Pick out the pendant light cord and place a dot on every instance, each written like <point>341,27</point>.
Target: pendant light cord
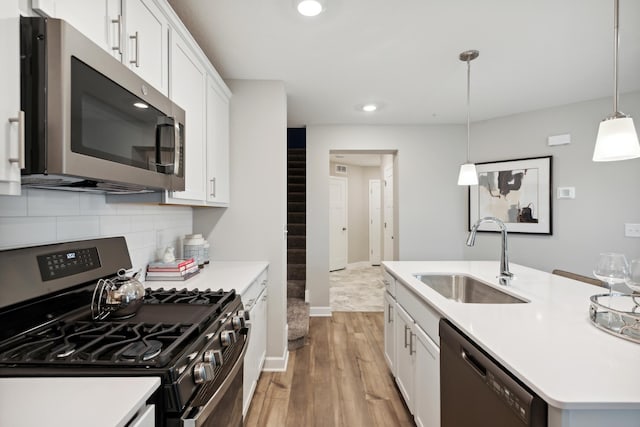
<point>469,107</point>
<point>616,40</point>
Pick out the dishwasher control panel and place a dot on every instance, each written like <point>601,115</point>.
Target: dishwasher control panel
<point>508,396</point>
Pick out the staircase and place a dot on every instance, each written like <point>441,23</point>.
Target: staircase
<point>297,308</point>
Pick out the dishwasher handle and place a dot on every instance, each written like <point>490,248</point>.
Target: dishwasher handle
<point>473,362</point>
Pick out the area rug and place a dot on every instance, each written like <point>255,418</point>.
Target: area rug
<point>359,287</point>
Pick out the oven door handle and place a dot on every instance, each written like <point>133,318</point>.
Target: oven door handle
<point>199,419</point>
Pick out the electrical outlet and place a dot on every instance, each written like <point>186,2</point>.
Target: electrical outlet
<point>632,230</point>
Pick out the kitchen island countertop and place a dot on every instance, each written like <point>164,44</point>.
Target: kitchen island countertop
<point>549,343</point>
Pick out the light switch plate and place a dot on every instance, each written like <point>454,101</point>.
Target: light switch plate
<point>559,139</point>
<point>632,230</point>
<point>566,193</point>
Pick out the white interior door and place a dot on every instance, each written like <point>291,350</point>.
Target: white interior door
<point>337,223</point>
<point>388,214</point>
<point>375,218</point>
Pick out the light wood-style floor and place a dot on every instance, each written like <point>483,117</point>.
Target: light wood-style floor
<point>338,379</point>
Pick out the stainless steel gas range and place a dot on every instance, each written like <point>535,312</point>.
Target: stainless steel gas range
<point>194,340</point>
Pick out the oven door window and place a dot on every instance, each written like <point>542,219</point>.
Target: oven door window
<point>111,123</point>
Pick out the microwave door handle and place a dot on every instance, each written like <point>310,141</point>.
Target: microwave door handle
<point>177,145</point>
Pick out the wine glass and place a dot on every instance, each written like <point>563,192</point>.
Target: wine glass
<point>611,268</point>
<point>633,280</point>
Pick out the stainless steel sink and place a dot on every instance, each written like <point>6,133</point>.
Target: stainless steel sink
<point>466,289</point>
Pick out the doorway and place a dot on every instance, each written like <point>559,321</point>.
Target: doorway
<point>357,285</point>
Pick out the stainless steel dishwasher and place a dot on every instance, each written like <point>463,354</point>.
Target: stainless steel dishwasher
<point>476,391</point>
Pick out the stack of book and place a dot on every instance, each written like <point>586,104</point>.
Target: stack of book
<point>180,269</point>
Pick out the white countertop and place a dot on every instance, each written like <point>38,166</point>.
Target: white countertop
<point>72,402</point>
<point>548,343</point>
<point>224,275</point>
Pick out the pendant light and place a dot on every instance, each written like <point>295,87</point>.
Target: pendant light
<point>617,138</point>
<point>468,174</point>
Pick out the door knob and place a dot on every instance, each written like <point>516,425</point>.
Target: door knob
<point>344,228</point>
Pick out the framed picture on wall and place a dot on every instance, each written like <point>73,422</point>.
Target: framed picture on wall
<point>518,192</point>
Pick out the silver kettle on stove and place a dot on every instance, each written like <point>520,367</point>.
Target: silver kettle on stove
<point>118,297</point>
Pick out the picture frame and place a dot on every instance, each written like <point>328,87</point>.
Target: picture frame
<point>518,192</point>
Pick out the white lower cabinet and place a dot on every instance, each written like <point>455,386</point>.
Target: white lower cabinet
<point>389,332</point>
<point>411,345</point>
<point>427,385</point>
<point>404,356</point>
<point>255,302</point>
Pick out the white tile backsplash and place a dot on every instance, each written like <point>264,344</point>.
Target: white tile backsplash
<point>115,225</point>
<point>13,206</point>
<point>77,227</point>
<point>96,204</point>
<point>41,203</point>
<point>25,231</point>
<point>48,216</point>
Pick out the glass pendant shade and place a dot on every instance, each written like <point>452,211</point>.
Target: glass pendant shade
<point>468,174</point>
<point>617,140</point>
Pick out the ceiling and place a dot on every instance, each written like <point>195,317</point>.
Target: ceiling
<point>403,55</point>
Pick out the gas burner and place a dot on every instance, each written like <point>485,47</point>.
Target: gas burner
<point>184,296</point>
<point>145,350</point>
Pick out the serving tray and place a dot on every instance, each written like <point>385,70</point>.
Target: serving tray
<point>617,314</point>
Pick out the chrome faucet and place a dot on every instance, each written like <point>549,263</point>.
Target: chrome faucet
<point>505,274</point>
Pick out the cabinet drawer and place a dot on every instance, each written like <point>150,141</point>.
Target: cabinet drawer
<point>250,295</point>
<point>422,313</point>
<point>389,283</point>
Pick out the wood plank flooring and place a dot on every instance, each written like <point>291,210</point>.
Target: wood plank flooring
<point>338,379</point>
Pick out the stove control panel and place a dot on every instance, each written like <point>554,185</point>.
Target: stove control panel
<point>66,263</point>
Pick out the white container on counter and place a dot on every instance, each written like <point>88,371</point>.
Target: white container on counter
<point>206,248</point>
<point>193,247</point>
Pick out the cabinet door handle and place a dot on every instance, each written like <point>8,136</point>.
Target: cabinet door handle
<point>118,22</point>
<point>389,318</point>
<point>136,61</point>
<point>406,343</point>
<point>411,350</point>
<point>213,187</point>
<point>19,158</point>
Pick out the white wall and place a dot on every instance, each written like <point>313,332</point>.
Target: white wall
<point>358,209</point>
<point>431,217</point>
<point>40,217</point>
<point>607,193</point>
<point>252,228</point>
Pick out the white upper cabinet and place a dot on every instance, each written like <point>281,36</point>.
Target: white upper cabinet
<point>217,144</point>
<point>135,32</point>
<point>188,90</point>
<point>148,37</point>
<point>146,41</point>
<point>11,119</point>
<point>99,20</point>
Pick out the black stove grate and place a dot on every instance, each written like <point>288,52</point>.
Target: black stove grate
<point>99,343</point>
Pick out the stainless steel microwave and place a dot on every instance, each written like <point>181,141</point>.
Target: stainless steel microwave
<point>92,124</point>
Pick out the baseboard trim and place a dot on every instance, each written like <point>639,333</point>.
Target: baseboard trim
<point>276,364</point>
<point>320,311</point>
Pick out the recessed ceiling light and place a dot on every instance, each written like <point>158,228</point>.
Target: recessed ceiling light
<point>369,108</point>
<point>310,7</point>
<point>141,105</point>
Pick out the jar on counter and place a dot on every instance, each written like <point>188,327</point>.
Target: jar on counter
<point>193,247</point>
<point>206,248</point>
